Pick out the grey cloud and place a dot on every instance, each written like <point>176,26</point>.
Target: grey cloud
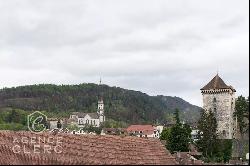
<point>165,47</point>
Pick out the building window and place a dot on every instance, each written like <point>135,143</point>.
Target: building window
<point>214,100</point>
<point>215,110</point>
<point>224,133</point>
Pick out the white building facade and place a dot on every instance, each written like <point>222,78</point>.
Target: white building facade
<point>91,119</point>
<point>145,131</point>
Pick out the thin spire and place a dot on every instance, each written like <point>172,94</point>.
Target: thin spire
<point>100,98</point>
<point>100,81</point>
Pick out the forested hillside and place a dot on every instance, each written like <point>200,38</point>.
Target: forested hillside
<point>120,104</point>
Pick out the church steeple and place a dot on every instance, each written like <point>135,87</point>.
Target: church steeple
<point>100,110</point>
<point>100,107</point>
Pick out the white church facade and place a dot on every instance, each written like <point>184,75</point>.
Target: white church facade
<point>90,119</point>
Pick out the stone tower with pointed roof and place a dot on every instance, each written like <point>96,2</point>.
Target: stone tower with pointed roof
<point>220,99</point>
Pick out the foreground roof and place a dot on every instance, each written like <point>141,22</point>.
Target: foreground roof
<point>217,83</point>
<point>85,150</point>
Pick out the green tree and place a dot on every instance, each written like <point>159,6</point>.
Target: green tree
<point>177,117</point>
<point>227,149</point>
<point>179,137</point>
<point>13,117</point>
<point>241,113</point>
<point>165,134</point>
<point>72,127</point>
<point>242,116</point>
<point>213,149</point>
<point>207,135</point>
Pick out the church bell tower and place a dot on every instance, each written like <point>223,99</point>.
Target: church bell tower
<point>100,107</point>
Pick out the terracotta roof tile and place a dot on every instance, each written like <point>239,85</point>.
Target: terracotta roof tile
<point>86,149</point>
<point>145,129</point>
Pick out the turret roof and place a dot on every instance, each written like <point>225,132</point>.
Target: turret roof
<point>217,83</point>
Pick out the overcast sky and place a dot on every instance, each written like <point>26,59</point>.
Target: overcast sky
<point>159,47</point>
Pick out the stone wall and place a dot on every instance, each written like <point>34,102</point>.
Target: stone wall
<point>222,103</point>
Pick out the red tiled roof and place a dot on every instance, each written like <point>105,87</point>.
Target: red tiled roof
<point>146,129</point>
<point>85,150</point>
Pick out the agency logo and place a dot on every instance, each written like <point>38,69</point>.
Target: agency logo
<point>37,122</point>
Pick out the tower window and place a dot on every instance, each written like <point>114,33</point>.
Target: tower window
<point>214,100</point>
<point>224,133</point>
